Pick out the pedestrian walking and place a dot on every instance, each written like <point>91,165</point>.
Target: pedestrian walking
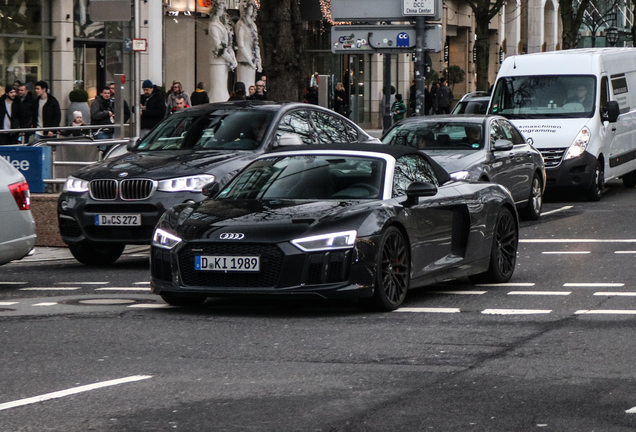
<point>398,109</point>
<point>153,107</point>
<point>46,111</point>
<point>102,114</point>
<point>200,96</point>
<point>260,93</point>
<point>239,92</point>
<point>444,97</point>
<point>11,115</point>
<point>179,104</point>
<point>177,90</point>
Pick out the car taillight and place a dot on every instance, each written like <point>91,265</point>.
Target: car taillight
<point>20,191</point>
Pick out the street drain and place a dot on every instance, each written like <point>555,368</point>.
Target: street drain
<point>106,301</point>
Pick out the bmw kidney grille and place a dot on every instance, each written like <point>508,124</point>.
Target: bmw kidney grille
<point>128,190</point>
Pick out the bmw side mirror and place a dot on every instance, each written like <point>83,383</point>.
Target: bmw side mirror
<point>612,112</point>
<point>502,145</point>
<point>419,189</point>
<point>210,189</point>
<point>131,144</point>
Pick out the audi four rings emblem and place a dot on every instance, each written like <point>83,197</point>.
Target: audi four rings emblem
<point>232,236</point>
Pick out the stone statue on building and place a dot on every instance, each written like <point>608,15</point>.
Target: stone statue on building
<point>222,58</point>
<point>248,53</point>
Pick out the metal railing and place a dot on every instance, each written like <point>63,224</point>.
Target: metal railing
<point>69,141</point>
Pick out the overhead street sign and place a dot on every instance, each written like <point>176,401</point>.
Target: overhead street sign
<point>419,8</point>
<point>352,39</point>
<point>380,10</point>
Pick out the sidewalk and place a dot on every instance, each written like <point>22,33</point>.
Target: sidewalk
<point>375,133</point>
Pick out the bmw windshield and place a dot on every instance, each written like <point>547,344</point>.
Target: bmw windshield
<point>545,96</point>
<point>217,130</point>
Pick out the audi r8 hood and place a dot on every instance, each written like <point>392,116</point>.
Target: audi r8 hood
<point>456,160</point>
<point>270,221</point>
<point>164,164</point>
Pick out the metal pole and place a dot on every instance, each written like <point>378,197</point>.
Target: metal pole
<point>137,71</point>
<point>420,68</point>
<point>119,104</point>
<point>387,93</point>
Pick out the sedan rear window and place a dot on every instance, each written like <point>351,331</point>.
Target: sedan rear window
<point>217,130</point>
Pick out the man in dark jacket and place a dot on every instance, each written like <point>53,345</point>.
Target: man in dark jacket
<point>102,114</point>
<point>28,101</point>
<point>153,107</point>
<point>10,115</point>
<point>46,111</point>
<point>199,96</point>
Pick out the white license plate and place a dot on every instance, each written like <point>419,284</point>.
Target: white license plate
<point>227,263</point>
<point>118,219</point>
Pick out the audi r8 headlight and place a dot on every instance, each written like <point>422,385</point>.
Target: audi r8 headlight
<point>185,184</point>
<point>323,242</point>
<point>579,145</point>
<point>460,175</point>
<point>165,240</point>
<point>74,184</point>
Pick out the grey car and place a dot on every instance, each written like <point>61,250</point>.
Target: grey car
<point>457,143</point>
<point>17,236</point>
<point>472,103</point>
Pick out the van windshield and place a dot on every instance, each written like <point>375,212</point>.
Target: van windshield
<point>545,96</point>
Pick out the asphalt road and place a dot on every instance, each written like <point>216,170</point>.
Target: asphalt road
<point>87,349</point>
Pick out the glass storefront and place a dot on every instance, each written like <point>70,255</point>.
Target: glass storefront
<point>25,42</point>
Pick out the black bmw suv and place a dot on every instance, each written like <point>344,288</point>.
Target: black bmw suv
<point>118,201</point>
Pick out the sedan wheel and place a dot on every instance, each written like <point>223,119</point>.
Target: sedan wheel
<point>503,253</point>
<point>532,211</point>
<point>393,271</point>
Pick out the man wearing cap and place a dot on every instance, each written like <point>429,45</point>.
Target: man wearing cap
<point>199,96</point>
<point>239,92</point>
<point>153,107</point>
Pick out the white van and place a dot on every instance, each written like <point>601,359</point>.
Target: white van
<point>567,104</point>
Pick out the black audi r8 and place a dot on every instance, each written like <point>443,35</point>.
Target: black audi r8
<point>356,221</point>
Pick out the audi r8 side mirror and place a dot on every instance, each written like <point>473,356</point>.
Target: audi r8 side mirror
<point>210,189</point>
<point>502,145</point>
<point>419,189</point>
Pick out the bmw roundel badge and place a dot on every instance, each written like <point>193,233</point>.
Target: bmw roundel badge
<point>123,174</point>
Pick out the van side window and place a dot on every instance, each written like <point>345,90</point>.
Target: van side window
<point>604,93</point>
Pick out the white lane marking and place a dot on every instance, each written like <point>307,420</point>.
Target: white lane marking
<point>429,310</point>
<point>49,289</point>
<point>557,210</point>
<point>566,252</point>
<point>601,284</point>
<point>141,283</point>
<point>82,283</point>
<point>622,294</point>
<point>71,391</point>
<point>515,311</point>
<point>152,306</point>
<point>546,293</point>
<point>46,304</point>
<point>459,292</point>
<point>8,303</point>
<point>631,410</point>
<point>625,252</point>
<point>510,284</point>
<point>123,289</point>
<point>577,241</point>
<point>13,283</point>
<point>606,312</point>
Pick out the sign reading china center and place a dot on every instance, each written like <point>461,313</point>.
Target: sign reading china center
<point>419,7</point>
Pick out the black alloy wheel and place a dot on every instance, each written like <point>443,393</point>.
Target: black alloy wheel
<point>393,271</point>
<point>503,253</point>
<point>96,254</point>
<point>596,189</point>
<point>532,211</point>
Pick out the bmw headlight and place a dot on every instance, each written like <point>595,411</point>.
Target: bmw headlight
<point>323,242</point>
<point>74,184</point>
<point>165,240</point>
<point>185,184</point>
<point>579,145</point>
<point>460,175</point>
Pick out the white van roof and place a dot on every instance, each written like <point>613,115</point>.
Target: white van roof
<point>583,61</point>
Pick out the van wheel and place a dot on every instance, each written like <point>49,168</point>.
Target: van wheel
<point>532,211</point>
<point>596,190</point>
<point>629,180</point>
